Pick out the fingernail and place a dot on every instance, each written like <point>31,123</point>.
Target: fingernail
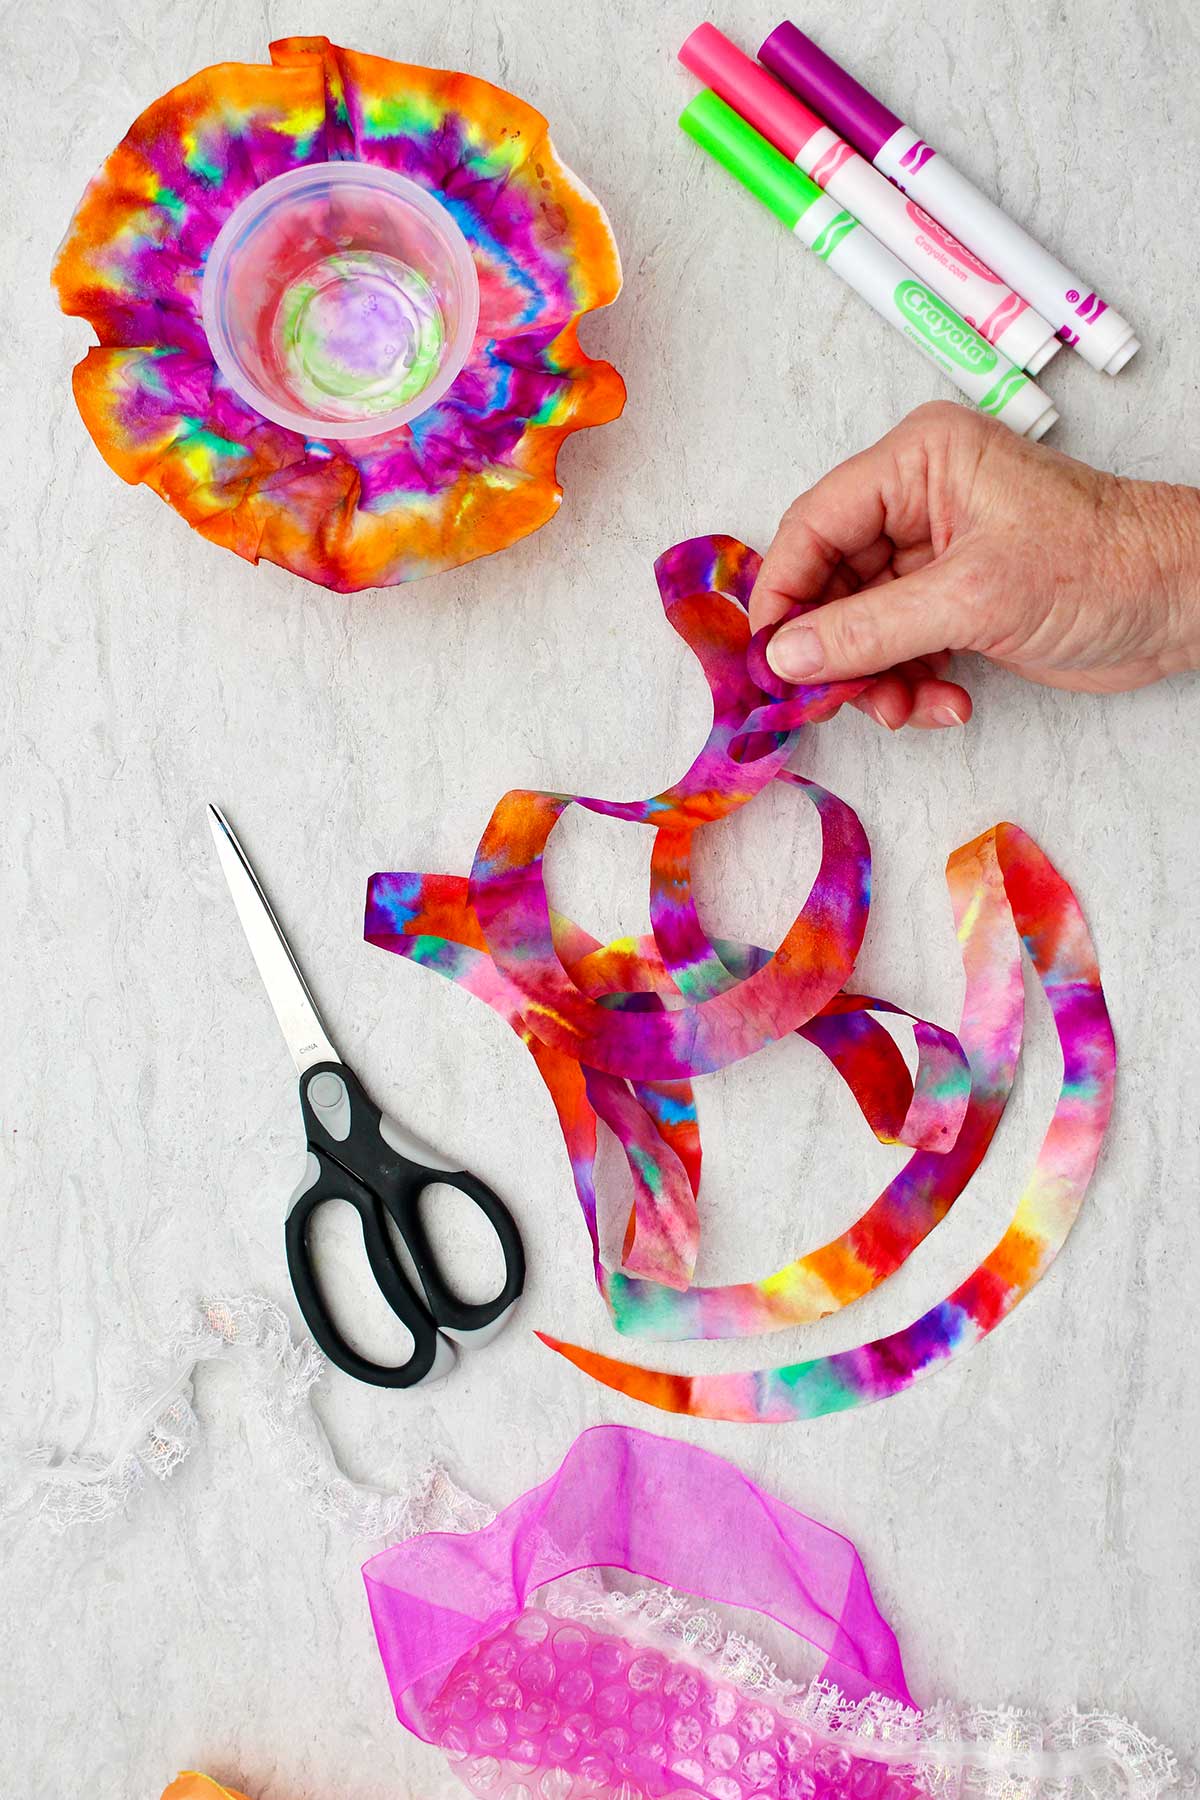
<point>795,652</point>
<point>879,716</point>
<point>946,715</point>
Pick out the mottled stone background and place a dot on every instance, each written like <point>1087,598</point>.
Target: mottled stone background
<point>1029,1514</point>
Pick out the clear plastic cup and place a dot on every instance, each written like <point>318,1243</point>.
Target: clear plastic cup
<point>340,300</point>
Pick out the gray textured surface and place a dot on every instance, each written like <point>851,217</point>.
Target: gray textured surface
<point>1030,1513</point>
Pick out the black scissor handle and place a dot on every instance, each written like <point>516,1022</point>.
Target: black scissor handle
<point>326,1180</point>
<point>352,1140</point>
<point>402,1200</point>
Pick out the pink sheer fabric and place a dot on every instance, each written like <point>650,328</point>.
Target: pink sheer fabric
<point>508,1687</point>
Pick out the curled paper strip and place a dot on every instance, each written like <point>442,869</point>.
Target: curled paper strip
<point>619,1031</point>
<point>474,473</point>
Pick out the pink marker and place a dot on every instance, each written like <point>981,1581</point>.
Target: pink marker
<point>1079,316</point>
<point>998,314</point>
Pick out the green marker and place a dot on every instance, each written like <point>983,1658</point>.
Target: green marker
<point>980,371</point>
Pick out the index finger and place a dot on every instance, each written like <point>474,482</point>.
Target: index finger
<point>840,519</point>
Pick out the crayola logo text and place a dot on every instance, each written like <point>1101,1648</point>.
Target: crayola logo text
<point>939,327</point>
<point>941,236</point>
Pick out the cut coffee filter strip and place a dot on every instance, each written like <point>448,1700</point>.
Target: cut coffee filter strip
<point>620,1031</point>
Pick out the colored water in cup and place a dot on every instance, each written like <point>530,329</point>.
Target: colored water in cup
<point>340,300</point>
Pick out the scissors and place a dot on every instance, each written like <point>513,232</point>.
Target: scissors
<point>359,1154</point>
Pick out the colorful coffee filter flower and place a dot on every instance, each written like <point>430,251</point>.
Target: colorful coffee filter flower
<point>474,473</point>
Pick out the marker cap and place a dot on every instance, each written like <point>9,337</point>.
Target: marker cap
<point>841,101</point>
<point>739,80</point>
<point>1035,363</point>
<point>1122,354</point>
<point>1031,414</point>
<point>759,167</point>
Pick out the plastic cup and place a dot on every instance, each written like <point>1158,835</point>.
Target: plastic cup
<point>340,300</point>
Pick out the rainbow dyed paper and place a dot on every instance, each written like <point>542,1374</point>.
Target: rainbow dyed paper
<point>470,476</point>
<point>620,1031</point>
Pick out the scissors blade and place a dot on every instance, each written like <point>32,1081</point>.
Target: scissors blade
<point>286,987</point>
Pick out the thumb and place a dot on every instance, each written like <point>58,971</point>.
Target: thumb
<point>874,629</point>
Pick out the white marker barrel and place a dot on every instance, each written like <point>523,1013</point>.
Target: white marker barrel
<point>1000,316</point>
<point>1099,333</point>
<point>978,369</point>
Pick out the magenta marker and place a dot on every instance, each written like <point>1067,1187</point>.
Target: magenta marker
<point>1101,336</point>
<point>999,316</point>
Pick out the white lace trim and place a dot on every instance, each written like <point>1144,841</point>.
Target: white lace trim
<point>671,1619</point>
<point>62,1491</point>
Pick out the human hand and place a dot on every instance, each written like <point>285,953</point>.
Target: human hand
<point>953,534</point>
